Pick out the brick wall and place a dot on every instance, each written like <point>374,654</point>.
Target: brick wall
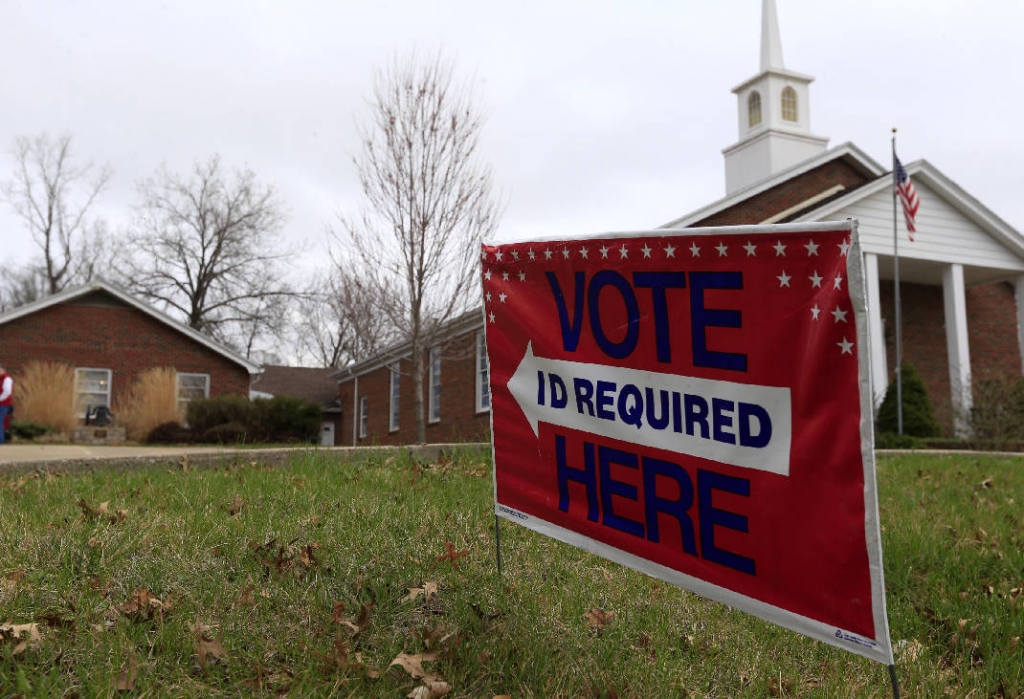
<point>788,194</point>
<point>116,337</point>
<point>460,422</point>
<point>991,328</point>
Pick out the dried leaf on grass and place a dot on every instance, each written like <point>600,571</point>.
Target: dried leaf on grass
<point>428,590</point>
<point>430,689</point>
<point>413,663</point>
<point>597,618</point>
<point>25,634</point>
<point>129,673</point>
<point>452,555</point>
<point>144,606</point>
<point>102,511</point>
<point>206,645</point>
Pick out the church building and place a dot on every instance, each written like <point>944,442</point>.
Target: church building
<point>961,280</point>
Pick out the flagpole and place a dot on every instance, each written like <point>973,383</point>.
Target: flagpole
<point>896,294</point>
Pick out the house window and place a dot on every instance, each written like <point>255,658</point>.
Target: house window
<point>92,389</point>
<point>483,375</point>
<point>364,416</point>
<point>396,393</point>
<point>754,108</point>
<point>789,112</point>
<point>191,386</point>
<point>434,396</point>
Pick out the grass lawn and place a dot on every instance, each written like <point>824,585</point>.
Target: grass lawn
<point>378,579</point>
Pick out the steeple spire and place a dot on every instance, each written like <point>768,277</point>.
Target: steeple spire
<point>771,43</point>
<point>774,116</point>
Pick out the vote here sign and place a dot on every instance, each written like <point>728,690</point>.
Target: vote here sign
<point>696,404</point>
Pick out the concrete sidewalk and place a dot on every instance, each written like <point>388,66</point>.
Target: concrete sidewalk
<point>20,453</point>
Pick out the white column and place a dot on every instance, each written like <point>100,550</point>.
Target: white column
<point>957,347</point>
<point>1018,286</point>
<point>876,329</point>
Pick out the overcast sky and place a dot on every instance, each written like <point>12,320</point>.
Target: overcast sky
<point>603,115</point>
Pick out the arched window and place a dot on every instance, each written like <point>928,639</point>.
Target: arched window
<point>754,108</point>
<point>789,104</point>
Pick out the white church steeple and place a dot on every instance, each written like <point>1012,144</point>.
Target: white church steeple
<point>774,115</point>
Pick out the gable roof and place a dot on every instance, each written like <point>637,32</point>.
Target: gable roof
<point>848,153</point>
<point>122,295</point>
<point>312,384</point>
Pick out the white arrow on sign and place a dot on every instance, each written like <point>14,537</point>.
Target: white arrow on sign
<point>732,423</point>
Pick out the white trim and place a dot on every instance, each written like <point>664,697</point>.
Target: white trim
<point>806,203</point>
<point>876,330</point>
<point>955,302</point>
<point>177,388</point>
<point>434,386</point>
<point>80,406</point>
<point>364,417</point>
<point>394,397</point>
<point>478,370</point>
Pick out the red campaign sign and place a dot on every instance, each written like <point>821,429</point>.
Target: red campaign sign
<point>689,403</point>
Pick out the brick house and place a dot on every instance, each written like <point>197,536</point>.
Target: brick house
<point>377,395</point>
<point>311,384</point>
<point>110,337</point>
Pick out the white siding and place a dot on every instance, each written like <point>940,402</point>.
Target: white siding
<point>943,233</point>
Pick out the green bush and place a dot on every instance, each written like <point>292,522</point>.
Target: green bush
<point>893,440</point>
<point>998,412</point>
<point>170,433</point>
<point>918,419</point>
<point>236,419</point>
<point>288,419</point>
<point>206,413</point>
<point>28,430</point>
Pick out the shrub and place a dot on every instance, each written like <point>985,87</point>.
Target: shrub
<point>170,433</point>
<point>152,400</point>
<point>998,413</point>
<point>28,430</point>
<point>228,433</point>
<point>893,440</point>
<point>918,419</point>
<point>205,413</point>
<point>288,419</point>
<point>44,394</point>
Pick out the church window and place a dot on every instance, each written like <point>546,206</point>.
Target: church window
<point>754,108</point>
<point>789,104</point>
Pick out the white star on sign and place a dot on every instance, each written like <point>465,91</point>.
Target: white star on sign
<point>522,276</point>
<point>532,255</point>
<point>498,255</point>
<point>584,252</point>
<point>839,315</point>
<point>487,296</point>
<point>487,274</point>
<point>670,251</point>
<point>502,296</point>
<point>780,249</point>
<point>695,250</point>
<point>839,282</point>
<point>483,255</point>
<point>815,280</point>
<point>623,252</point>
<point>604,252</point>
<point>547,254</point>
<point>515,255</point>
<point>504,276</point>
<point>721,248</point>
<point>814,312</point>
<point>647,251</point>
<point>844,248</point>
<point>812,249</point>
<point>491,316</point>
<point>565,253</point>
<point>846,346</point>
<point>750,248</point>
<point>783,279</point>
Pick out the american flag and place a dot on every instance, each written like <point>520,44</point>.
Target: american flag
<point>908,196</point>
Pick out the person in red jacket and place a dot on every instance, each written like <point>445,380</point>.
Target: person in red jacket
<point>6,402</point>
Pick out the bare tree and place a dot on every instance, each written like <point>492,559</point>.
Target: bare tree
<point>204,247</point>
<point>428,202</point>
<point>21,286</point>
<point>53,196</point>
<point>338,321</point>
